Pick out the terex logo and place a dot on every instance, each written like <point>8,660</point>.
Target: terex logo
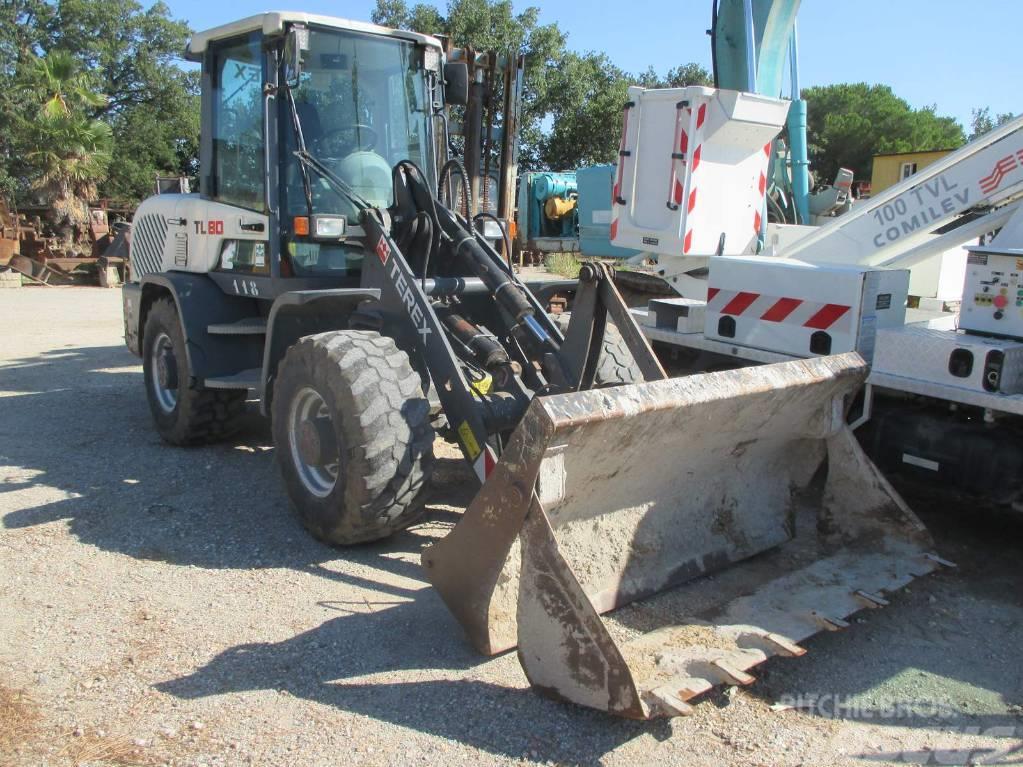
<point>408,296</point>
<point>383,249</point>
<point>209,227</point>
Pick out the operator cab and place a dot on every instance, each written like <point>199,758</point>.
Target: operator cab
<point>354,99</point>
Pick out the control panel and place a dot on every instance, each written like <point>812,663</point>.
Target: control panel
<point>993,295</point>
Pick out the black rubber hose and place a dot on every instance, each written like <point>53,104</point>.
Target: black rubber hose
<point>466,193</point>
<point>415,173</point>
<point>420,229</point>
<point>466,247</point>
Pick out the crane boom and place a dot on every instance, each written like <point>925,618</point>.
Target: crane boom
<point>901,222</point>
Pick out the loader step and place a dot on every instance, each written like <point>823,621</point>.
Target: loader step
<point>683,315</point>
<point>245,327</point>
<point>246,379</point>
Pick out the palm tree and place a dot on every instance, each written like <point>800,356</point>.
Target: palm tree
<point>69,149</point>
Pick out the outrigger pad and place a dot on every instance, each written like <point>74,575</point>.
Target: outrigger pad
<point>611,495</point>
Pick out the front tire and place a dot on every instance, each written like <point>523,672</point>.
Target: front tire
<point>352,435</point>
<point>184,413</point>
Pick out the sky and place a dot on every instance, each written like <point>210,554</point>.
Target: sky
<point>957,56</point>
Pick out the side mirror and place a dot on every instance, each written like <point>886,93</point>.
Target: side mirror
<point>295,44</point>
<point>456,83</point>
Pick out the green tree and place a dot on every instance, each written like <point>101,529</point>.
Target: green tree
<point>70,148</point>
<point>420,18</point>
<point>586,118</point>
<point>849,123</point>
<point>572,102</point>
<point>20,37</point>
<point>121,49</point>
<point>983,122</point>
<point>679,77</point>
<point>133,55</point>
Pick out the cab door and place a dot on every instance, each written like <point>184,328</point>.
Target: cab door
<point>231,231</point>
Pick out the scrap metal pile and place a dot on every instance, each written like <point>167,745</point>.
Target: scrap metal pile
<point>30,248</point>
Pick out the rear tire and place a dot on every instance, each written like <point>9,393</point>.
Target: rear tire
<point>185,414</point>
<point>616,364</point>
<point>352,434</point>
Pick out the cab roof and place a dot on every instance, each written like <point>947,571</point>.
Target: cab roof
<point>273,23</point>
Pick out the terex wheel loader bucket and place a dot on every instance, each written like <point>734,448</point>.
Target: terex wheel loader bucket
<point>606,496</point>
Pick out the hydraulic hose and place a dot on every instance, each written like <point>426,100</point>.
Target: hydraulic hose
<point>415,176</point>
<point>506,291</point>
<point>465,245</point>
<point>442,178</point>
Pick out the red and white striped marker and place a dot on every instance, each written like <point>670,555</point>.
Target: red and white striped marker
<point>758,203</point>
<point>616,191</point>
<point>780,309</point>
<point>701,115</point>
<point>485,463</point>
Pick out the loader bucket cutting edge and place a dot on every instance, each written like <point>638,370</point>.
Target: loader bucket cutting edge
<point>611,495</point>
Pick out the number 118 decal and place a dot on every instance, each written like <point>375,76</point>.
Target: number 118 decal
<point>245,287</point>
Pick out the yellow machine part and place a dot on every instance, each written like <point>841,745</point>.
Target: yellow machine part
<point>557,208</point>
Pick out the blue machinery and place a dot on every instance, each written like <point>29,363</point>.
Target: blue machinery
<point>568,212</point>
<point>547,210</point>
<point>595,185</point>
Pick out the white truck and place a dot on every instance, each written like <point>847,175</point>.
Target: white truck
<point>945,388</point>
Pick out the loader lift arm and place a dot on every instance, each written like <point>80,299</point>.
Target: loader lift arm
<point>459,337</point>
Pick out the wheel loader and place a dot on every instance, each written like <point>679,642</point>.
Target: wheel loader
<point>318,271</point>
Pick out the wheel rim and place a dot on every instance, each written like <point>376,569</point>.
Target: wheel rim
<point>164,367</point>
<point>314,449</point>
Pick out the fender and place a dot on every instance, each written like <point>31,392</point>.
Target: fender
<point>200,303</point>
<point>300,313</point>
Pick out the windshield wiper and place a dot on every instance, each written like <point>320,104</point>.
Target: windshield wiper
<point>296,125</point>
<point>339,184</point>
<point>308,160</point>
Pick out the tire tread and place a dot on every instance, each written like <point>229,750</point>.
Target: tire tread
<point>616,364</point>
<point>375,390</point>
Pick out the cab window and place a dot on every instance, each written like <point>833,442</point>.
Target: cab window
<point>238,123</point>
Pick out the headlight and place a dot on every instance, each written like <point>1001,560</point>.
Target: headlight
<point>328,227</point>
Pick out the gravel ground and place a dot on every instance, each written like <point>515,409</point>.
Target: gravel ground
<point>162,606</point>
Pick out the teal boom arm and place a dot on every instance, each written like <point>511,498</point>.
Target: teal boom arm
<point>774,35</point>
<point>773,22</point>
